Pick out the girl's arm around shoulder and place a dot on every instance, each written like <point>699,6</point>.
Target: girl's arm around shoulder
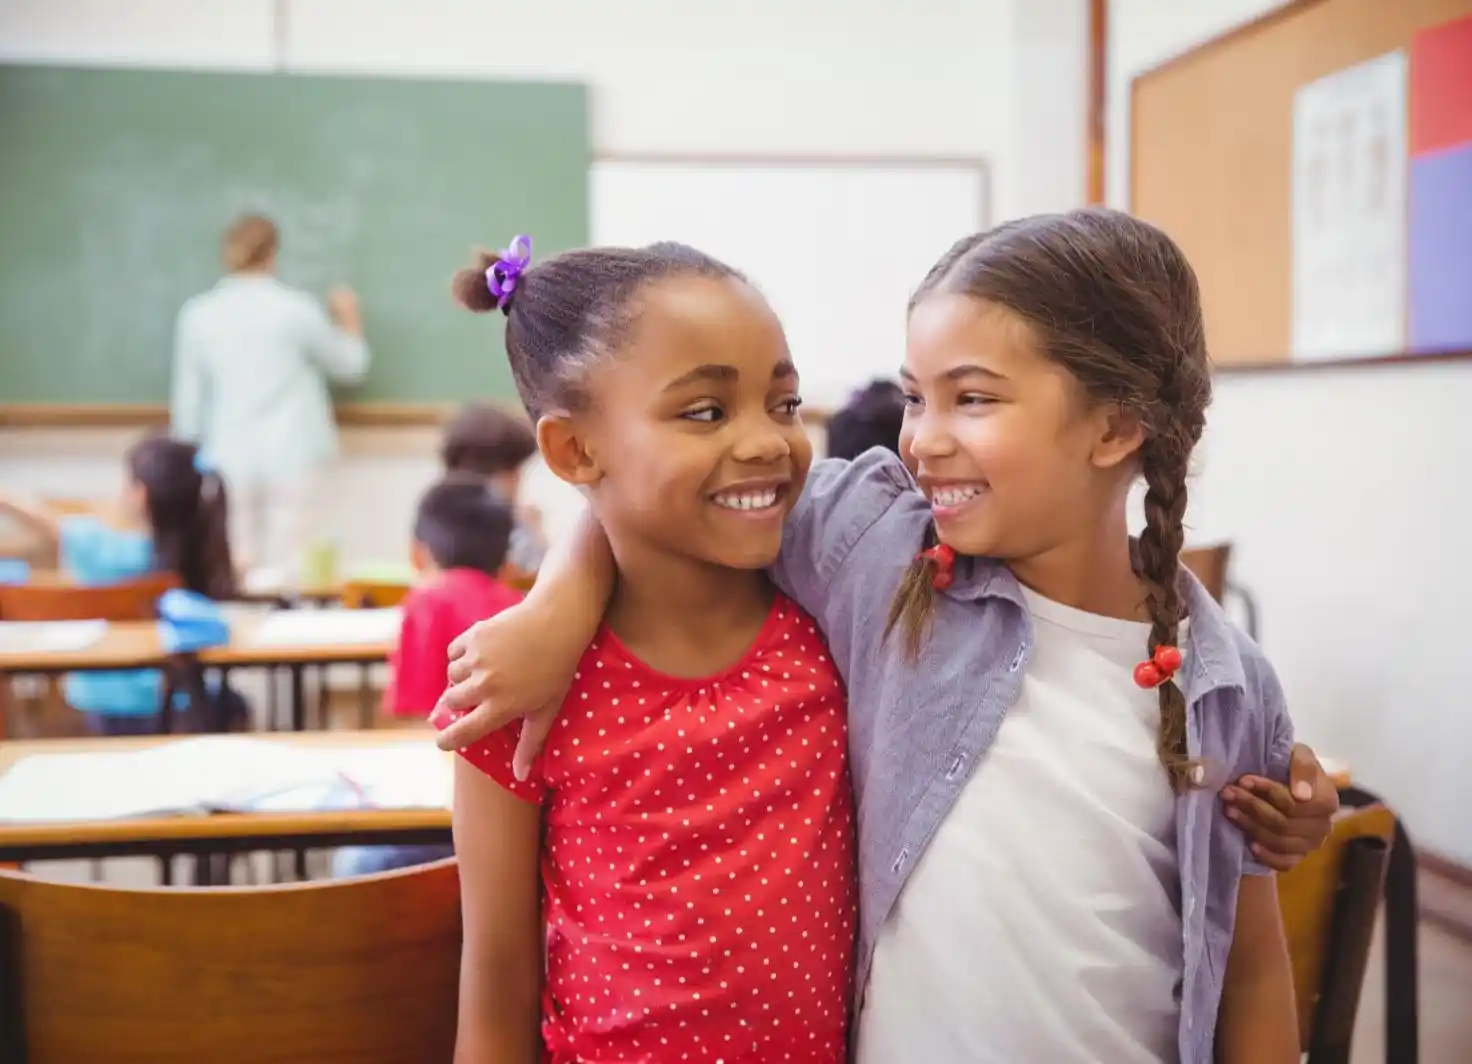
<point>1258,1022</point>
<point>1281,797</point>
<point>840,503</point>
<point>520,662</point>
<point>497,839</point>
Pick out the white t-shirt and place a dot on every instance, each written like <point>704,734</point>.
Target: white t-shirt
<point>1042,923</point>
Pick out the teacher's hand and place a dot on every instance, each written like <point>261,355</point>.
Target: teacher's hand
<point>342,304</point>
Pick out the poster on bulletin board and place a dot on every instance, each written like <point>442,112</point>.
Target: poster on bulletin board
<point>1349,212</point>
<point>1439,255</point>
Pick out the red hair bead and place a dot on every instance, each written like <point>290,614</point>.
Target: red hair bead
<point>1161,667</point>
<point>945,565</point>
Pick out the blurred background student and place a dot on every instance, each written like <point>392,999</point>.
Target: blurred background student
<point>871,418</point>
<point>483,440</point>
<point>253,360</point>
<point>171,517</point>
<point>461,532</point>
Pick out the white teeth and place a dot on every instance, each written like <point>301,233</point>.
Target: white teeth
<point>954,495</point>
<point>749,500</point>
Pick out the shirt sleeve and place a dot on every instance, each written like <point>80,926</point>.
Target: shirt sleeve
<point>420,660</point>
<point>492,754</point>
<point>342,356</point>
<point>840,502</point>
<point>94,552</point>
<point>1277,744</point>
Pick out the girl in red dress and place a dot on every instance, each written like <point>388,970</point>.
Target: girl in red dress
<point>673,879</point>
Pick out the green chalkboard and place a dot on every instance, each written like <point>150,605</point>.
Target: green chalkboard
<point>116,184</point>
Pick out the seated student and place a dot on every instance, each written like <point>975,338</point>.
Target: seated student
<point>171,517</point>
<point>871,418</point>
<point>485,441</point>
<point>461,533</point>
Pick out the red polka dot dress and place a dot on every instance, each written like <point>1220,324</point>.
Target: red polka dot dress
<point>699,858</point>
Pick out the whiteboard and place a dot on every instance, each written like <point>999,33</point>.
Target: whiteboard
<point>836,247</point>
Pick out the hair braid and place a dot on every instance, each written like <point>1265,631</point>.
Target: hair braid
<point>1164,468</point>
<point>911,607</point>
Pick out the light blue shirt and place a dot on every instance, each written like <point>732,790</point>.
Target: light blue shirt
<point>95,553</point>
<point>252,362</point>
<point>918,730</point>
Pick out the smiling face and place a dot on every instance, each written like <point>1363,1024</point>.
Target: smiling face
<point>690,441</point>
<point>1010,452</point>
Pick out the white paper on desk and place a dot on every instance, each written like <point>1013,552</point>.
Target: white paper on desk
<point>414,774</point>
<point>326,627</point>
<point>185,776</point>
<point>39,637</point>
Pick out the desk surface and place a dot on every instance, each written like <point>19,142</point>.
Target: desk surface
<point>183,827</point>
<point>135,644</point>
<point>321,593</point>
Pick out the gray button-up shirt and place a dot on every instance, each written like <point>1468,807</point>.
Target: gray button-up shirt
<point>918,730</point>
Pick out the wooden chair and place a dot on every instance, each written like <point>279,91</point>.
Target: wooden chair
<point>1210,566</point>
<point>1329,905</point>
<point>372,594</point>
<point>69,506</point>
<point>361,970</point>
<point>518,579</point>
<point>131,600</point>
<point>365,595</point>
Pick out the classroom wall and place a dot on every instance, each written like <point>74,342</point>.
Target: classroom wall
<point>1344,490</point>
<point>998,79</point>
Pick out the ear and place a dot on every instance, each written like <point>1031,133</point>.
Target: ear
<point>419,556</point>
<point>564,448</point>
<point>1120,436</point>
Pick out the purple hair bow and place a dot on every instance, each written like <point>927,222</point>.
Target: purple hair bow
<point>502,275</point>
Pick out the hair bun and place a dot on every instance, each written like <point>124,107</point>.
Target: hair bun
<point>469,286</point>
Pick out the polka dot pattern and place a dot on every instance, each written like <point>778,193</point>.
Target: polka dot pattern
<point>699,858</point>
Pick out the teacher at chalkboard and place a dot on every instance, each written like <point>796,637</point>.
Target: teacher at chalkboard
<point>253,359</point>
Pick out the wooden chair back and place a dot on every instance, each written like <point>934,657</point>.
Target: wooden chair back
<point>516,579</point>
<point>1210,566</point>
<point>131,600</point>
<point>363,970</point>
<point>1329,903</point>
<point>372,594</point>
<point>69,506</point>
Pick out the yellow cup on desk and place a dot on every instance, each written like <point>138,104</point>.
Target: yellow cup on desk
<point>319,564</point>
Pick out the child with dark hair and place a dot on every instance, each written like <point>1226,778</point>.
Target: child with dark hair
<point>1043,708</point>
<point>461,530</point>
<point>485,441</point>
<point>691,826</point>
<point>871,418</point>
<point>171,517</point>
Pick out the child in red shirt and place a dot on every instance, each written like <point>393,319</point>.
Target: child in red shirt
<point>461,531</point>
<point>674,880</point>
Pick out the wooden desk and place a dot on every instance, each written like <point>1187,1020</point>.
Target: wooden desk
<point>166,836</point>
<point>136,645</point>
<point>320,595</point>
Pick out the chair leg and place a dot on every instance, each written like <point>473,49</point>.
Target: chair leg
<point>12,1004</point>
<point>1402,920</point>
<point>1356,902</point>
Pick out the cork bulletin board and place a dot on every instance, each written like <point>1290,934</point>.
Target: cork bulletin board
<point>1212,160</point>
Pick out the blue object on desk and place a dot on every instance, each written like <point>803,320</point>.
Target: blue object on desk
<point>14,571</point>
<point>190,622</point>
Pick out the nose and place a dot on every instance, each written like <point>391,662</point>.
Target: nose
<point>761,443</point>
<point>927,435</point>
